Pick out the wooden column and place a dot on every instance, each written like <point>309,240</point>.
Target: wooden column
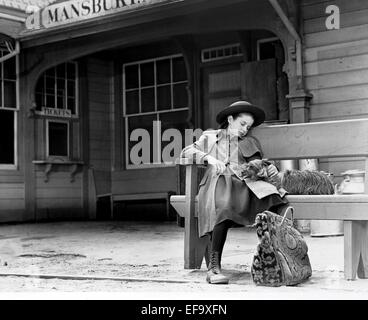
<point>299,106</point>
<point>26,83</point>
<point>190,52</point>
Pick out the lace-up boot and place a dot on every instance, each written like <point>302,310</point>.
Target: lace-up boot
<point>214,275</point>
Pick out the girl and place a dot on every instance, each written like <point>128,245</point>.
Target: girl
<point>225,198</point>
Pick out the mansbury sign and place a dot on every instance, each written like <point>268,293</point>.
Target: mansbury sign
<point>77,10</point>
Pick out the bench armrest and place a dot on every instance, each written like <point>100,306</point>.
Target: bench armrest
<point>188,162</point>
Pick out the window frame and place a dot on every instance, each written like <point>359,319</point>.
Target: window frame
<point>221,49</point>
<point>76,79</point>
<point>55,157</point>
<point>156,112</point>
<point>11,166</point>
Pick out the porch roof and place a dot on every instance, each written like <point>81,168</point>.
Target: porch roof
<point>153,10</point>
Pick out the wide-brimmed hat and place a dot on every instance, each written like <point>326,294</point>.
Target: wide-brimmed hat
<point>240,107</point>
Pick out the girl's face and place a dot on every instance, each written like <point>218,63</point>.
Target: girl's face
<point>241,125</point>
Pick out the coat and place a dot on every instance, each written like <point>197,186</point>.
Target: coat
<point>232,151</point>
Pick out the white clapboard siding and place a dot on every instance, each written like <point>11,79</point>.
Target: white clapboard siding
<point>316,9</point>
<point>11,197</point>
<point>336,67</point>
<point>59,192</point>
<point>351,109</point>
<point>347,19</point>
<point>341,35</point>
<point>337,50</point>
<point>337,79</point>
<point>341,64</point>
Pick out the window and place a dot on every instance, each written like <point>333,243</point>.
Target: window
<point>57,136</point>
<point>223,52</point>
<point>266,48</point>
<point>8,108</point>
<point>154,90</point>
<point>57,101</point>
<point>57,90</point>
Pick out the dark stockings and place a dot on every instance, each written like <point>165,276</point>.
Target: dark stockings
<point>218,236</point>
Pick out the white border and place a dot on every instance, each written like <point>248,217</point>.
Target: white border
<point>48,156</point>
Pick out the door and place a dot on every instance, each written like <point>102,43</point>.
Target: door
<point>221,87</point>
<point>259,85</point>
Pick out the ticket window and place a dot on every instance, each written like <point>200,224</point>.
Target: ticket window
<point>57,139</point>
<point>57,116</point>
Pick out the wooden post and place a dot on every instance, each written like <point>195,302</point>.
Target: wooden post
<point>363,259</point>
<point>92,194</point>
<point>351,249</point>
<point>195,248</point>
<point>191,231</point>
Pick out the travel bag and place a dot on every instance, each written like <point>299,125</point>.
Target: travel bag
<point>281,257</point>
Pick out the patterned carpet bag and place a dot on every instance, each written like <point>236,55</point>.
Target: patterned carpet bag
<point>282,254</point>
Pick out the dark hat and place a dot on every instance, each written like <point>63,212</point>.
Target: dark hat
<point>240,107</point>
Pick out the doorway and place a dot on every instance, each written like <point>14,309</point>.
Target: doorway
<point>221,87</point>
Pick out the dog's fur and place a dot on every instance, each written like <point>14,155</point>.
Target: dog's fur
<point>305,182</point>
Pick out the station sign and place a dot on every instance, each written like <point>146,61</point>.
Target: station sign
<point>78,10</point>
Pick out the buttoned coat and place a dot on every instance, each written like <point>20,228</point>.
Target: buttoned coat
<point>233,152</point>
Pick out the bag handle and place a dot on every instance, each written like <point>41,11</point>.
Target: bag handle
<point>291,209</point>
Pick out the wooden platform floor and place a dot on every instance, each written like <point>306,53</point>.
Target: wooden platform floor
<point>148,250</point>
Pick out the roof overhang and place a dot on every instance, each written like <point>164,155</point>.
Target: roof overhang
<point>154,10</point>
<point>11,25</point>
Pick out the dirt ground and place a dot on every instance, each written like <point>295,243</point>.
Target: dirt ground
<point>133,253</point>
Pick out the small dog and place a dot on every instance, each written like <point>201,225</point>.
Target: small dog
<point>306,182</point>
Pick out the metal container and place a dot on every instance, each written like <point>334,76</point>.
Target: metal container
<point>327,228</point>
<point>353,182</point>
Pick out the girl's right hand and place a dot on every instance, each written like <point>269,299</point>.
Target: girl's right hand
<point>219,165</point>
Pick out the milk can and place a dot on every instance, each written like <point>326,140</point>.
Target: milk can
<point>353,182</point>
<point>324,228</point>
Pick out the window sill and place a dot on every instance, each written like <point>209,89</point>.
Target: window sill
<point>8,167</point>
<point>51,164</point>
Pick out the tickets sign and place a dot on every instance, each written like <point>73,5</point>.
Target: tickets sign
<point>78,10</point>
<point>64,113</point>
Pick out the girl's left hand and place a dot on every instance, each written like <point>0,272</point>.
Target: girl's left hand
<point>272,170</point>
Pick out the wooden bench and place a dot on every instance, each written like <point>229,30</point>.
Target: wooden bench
<point>334,139</point>
<point>143,196</point>
<point>99,185</point>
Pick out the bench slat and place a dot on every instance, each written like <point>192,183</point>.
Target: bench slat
<point>140,196</point>
<point>304,141</point>
<point>321,207</point>
<point>328,198</point>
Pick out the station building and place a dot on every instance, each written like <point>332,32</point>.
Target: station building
<point>79,76</point>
